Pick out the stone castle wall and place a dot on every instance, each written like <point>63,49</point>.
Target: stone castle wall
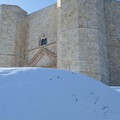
<point>113,41</point>
<point>12,37</point>
<point>82,36</point>
<point>42,22</point>
<point>82,40</point>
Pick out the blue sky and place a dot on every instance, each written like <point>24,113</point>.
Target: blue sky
<point>29,6</point>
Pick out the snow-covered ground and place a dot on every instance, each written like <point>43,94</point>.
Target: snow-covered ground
<point>47,94</point>
<point>117,88</point>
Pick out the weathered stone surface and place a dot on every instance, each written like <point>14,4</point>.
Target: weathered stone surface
<point>112,11</point>
<point>82,38</point>
<point>42,22</point>
<point>12,37</point>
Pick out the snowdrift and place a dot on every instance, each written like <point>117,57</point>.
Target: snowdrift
<point>47,94</point>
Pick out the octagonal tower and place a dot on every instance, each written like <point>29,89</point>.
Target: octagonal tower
<point>12,36</point>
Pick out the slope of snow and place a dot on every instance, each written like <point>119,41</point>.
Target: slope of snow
<point>47,94</point>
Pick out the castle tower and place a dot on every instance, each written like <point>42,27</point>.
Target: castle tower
<point>82,38</point>
<point>12,36</point>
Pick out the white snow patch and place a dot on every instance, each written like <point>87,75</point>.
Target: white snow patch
<point>116,88</point>
<point>47,94</point>
<point>11,71</point>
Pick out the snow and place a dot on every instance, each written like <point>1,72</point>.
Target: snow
<point>116,88</point>
<point>48,94</point>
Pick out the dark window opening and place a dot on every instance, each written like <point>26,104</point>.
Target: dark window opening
<point>43,42</point>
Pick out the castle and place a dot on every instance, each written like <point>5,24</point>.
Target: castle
<point>76,35</point>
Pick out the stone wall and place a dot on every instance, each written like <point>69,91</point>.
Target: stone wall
<point>102,40</point>
<point>82,41</point>
<point>12,37</point>
<point>39,23</point>
<point>68,36</point>
<point>113,40</point>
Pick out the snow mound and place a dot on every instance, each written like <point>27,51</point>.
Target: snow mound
<point>47,94</point>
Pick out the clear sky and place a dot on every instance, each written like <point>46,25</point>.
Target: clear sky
<point>29,5</point>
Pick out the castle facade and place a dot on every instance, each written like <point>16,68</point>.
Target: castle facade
<point>76,35</point>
